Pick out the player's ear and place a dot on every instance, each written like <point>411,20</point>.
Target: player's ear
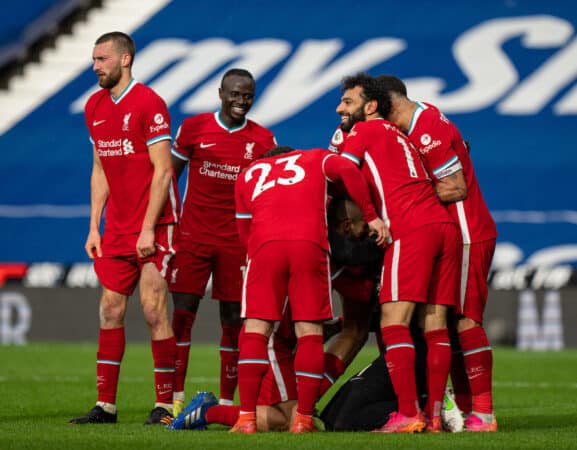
<point>126,59</point>
<point>371,107</point>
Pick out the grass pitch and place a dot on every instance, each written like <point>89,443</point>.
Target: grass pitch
<point>43,385</point>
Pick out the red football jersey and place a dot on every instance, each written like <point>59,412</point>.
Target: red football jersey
<point>216,155</point>
<point>444,152</point>
<point>284,198</point>
<point>121,130</point>
<point>400,185</point>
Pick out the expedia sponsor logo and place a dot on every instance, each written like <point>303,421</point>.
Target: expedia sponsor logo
<point>157,128</point>
<point>431,146</point>
<point>161,124</point>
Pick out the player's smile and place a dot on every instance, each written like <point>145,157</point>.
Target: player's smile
<point>239,110</point>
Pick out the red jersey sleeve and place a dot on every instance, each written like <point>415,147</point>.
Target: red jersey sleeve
<point>337,168</point>
<point>182,145</point>
<point>243,214</point>
<point>434,138</point>
<point>337,140</point>
<point>354,146</point>
<point>155,120</point>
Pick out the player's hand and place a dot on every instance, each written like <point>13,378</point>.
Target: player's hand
<point>383,235</point>
<point>92,245</point>
<point>145,245</point>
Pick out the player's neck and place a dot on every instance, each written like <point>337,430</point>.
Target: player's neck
<point>117,90</point>
<point>403,114</point>
<point>229,121</point>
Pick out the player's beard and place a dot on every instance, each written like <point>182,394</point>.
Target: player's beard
<point>110,80</point>
<point>357,116</point>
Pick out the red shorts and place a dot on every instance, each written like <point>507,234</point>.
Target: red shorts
<point>119,267</point>
<point>195,262</point>
<point>279,383</point>
<point>424,266</point>
<point>476,264</point>
<point>353,285</point>
<point>297,269</point>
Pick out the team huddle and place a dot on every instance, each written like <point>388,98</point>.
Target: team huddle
<point>389,215</point>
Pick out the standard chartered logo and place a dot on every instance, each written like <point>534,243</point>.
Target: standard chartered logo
<point>115,147</point>
<point>127,147</point>
<point>316,66</point>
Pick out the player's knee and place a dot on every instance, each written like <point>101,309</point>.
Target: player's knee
<point>188,302</point>
<point>155,314</point>
<point>112,309</point>
<point>230,313</point>
<point>466,323</point>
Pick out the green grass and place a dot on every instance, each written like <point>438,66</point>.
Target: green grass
<point>43,385</point>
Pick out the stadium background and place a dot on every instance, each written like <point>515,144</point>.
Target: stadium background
<point>503,71</point>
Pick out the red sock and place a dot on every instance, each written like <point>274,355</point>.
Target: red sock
<point>460,382</point>
<point>164,356</point>
<point>111,345</point>
<point>223,414</point>
<point>252,366</point>
<point>334,368</point>
<point>182,322</point>
<point>400,359</point>
<point>438,366</point>
<point>478,357</point>
<point>309,367</point>
<point>228,361</point>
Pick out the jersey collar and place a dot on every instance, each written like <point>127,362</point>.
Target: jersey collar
<point>224,126</point>
<point>420,108</point>
<point>123,94</point>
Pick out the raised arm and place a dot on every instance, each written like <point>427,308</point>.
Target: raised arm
<point>339,168</point>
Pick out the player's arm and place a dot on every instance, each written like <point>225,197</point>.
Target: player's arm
<point>159,154</point>
<point>445,165</point>
<point>99,191</point>
<point>242,212</point>
<point>178,163</point>
<point>452,188</point>
<point>339,168</point>
<point>180,156</point>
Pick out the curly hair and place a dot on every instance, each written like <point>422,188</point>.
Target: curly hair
<point>372,89</point>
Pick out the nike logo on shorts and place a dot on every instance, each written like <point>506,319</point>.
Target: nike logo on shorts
<point>203,145</point>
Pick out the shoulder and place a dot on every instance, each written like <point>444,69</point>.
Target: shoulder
<point>148,96</point>
<point>432,117</point>
<point>258,130</point>
<point>198,122</point>
<point>94,99</point>
<point>358,129</point>
<point>145,91</point>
